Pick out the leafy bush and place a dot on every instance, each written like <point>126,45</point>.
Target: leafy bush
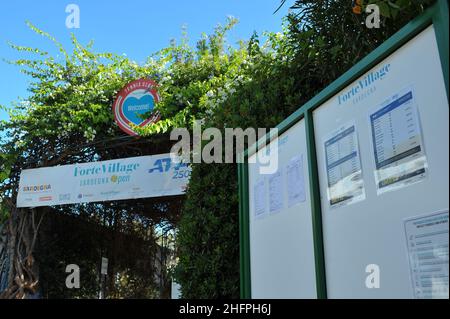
<point>67,118</point>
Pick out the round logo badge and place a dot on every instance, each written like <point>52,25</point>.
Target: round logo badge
<point>133,102</point>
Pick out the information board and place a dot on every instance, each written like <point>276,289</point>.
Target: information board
<point>383,159</point>
<point>281,236</point>
<point>378,159</point>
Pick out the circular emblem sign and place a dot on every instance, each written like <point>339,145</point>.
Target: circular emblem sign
<point>135,101</point>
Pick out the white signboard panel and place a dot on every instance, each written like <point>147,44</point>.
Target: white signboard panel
<point>281,236</point>
<point>401,116</point>
<point>129,178</point>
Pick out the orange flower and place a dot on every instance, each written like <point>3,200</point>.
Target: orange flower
<point>357,6</point>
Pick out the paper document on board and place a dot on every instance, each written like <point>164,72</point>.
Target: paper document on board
<point>427,244</point>
<point>276,191</point>
<point>397,142</point>
<point>343,167</point>
<point>260,198</point>
<point>295,181</point>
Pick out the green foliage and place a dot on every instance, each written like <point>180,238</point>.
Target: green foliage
<point>70,97</point>
<point>68,118</point>
<point>392,8</point>
<point>208,239</point>
<point>4,213</point>
<point>6,161</point>
<point>5,167</point>
<point>388,8</point>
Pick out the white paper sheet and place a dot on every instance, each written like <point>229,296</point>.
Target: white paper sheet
<point>276,191</point>
<point>260,198</point>
<point>397,142</point>
<point>295,181</point>
<point>343,166</point>
<point>427,244</point>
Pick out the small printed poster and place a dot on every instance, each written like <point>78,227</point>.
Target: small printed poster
<point>397,143</point>
<point>260,198</point>
<point>427,245</point>
<point>295,181</point>
<point>276,192</point>
<point>343,167</point>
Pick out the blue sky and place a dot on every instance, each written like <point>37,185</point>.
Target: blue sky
<point>134,27</point>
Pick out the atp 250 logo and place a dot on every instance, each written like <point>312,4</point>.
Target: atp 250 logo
<point>164,165</point>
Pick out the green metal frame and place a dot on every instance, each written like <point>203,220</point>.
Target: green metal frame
<point>436,15</point>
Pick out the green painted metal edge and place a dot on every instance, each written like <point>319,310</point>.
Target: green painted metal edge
<point>441,26</point>
<point>244,232</point>
<point>316,208</point>
<point>436,15</point>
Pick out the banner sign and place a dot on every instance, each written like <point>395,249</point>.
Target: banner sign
<point>133,102</point>
<point>130,178</point>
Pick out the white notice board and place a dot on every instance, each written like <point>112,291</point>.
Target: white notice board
<point>383,151</point>
<point>281,236</point>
